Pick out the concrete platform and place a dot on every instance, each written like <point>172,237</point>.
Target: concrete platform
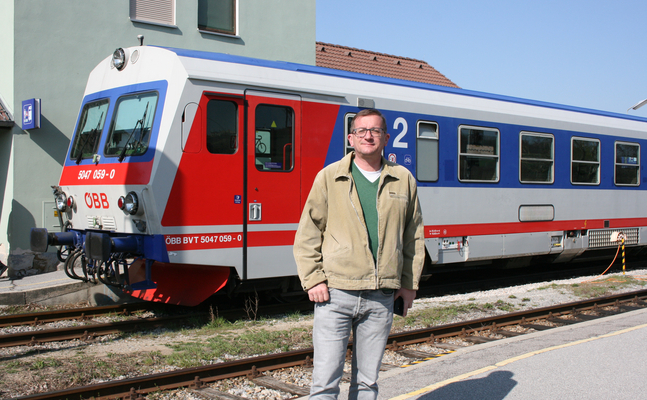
<point>53,288</point>
<point>601,359</point>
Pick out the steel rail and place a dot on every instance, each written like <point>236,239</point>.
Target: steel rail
<point>88,332</point>
<point>198,376</point>
<point>42,317</point>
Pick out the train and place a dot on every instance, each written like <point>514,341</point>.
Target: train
<point>187,172</point>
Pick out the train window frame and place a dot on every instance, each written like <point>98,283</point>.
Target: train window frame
<point>523,134</point>
<point>464,155</point>
<point>633,165</point>
<point>586,162</point>
<point>233,140</point>
<point>348,120</point>
<point>423,164</point>
<point>206,26</point>
<point>148,115</point>
<point>266,143</point>
<point>96,132</point>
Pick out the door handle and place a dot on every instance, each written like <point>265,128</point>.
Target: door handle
<point>255,212</point>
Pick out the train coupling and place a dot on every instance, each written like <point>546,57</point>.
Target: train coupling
<point>103,251</point>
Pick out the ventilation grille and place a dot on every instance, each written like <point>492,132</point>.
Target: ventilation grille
<point>602,238</point>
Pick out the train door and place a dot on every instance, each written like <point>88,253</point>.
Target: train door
<point>203,218</point>
<point>273,183</point>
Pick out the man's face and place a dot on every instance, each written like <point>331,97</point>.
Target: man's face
<point>372,143</point>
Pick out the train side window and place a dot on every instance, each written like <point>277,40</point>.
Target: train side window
<point>88,132</point>
<point>627,164</point>
<point>349,120</point>
<point>427,152</point>
<point>222,123</point>
<point>585,161</point>
<point>536,158</point>
<point>478,154</point>
<point>274,138</point>
<point>130,130</point>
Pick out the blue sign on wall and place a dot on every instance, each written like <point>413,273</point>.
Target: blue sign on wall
<point>31,114</point>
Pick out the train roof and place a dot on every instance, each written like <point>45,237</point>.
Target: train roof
<point>310,69</point>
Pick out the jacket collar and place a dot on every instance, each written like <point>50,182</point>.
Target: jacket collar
<point>343,169</point>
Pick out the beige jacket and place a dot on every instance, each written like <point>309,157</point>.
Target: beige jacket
<point>331,243</point>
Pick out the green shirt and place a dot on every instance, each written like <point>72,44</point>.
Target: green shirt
<point>367,192</point>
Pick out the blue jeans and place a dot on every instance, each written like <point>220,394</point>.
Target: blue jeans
<point>369,314</point>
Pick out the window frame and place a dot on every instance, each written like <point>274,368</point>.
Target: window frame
<point>264,144</point>
<point>616,164</point>
<point>150,116</point>
<point>599,162</point>
<point>552,159</point>
<point>222,32</point>
<point>427,138</point>
<point>236,136</point>
<point>348,119</point>
<point>498,154</point>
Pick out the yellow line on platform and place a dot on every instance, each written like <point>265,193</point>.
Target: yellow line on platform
<point>446,382</point>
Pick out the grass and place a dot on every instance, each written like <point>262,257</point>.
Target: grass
<point>597,287</point>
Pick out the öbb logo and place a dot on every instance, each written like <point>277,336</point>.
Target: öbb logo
<point>96,200</point>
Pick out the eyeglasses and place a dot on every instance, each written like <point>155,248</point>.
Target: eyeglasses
<point>361,132</point>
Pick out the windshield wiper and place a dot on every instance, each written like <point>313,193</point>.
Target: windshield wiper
<point>122,155</point>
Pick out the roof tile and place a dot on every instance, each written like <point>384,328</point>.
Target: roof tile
<point>372,63</point>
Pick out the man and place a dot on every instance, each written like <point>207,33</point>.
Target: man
<point>359,245</point>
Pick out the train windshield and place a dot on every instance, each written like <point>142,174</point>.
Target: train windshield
<point>131,126</point>
<point>86,139</point>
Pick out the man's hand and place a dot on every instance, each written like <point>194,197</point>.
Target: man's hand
<point>407,295</point>
<point>319,293</point>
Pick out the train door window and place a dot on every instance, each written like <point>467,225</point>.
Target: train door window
<point>218,16</point>
<point>585,161</point>
<point>88,132</point>
<point>627,164</point>
<point>427,152</point>
<point>349,121</point>
<point>536,158</point>
<point>274,138</point>
<point>222,127</point>
<point>132,124</point>
<point>478,154</point>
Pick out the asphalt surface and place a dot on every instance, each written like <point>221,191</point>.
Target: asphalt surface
<point>600,359</point>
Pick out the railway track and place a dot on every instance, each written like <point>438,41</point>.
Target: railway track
<point>89,331</point>
<point>475,331</point>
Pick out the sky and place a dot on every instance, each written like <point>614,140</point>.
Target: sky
<point>584,53</point>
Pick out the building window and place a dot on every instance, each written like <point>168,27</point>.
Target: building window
<point>478,154</point>
<point>274,138</point>
<point>218,16</point>
<point>536,158</point>
<point>427,152</point>
<point>627,164</point>
<point>222,122</point>
<point>159,12</point>
<point>585,161</point>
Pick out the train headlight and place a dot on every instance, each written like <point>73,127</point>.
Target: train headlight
<point>70,202</point>
<point>131,203</point>
<point>119,59</point>
<point>61,202</point>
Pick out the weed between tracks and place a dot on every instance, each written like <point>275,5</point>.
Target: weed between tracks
<point>58,366</point>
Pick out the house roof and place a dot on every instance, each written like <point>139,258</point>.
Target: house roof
<point>372,63</point>
<point>6,119</point>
